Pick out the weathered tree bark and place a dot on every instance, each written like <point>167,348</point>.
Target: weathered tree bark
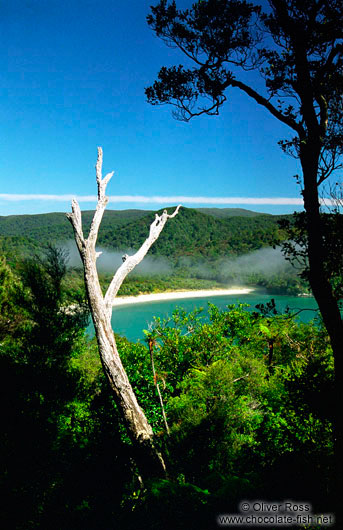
<point>148,459</point>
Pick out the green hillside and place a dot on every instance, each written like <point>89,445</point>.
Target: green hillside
<point>56,227</point>
<point>229,212</point>
<point>190,233</point>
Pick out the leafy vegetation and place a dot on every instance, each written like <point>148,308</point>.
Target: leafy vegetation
<point>197,249</point>
<point>194,233</point>
<point>296,247</point>
<point>229,212</point>
<point>247,395</point>
<point>197,234</point>
<point>52,227</point>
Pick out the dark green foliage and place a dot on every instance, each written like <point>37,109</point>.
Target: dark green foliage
<point>135,285</point>
<point>54,227</point>
<point>58,421</point>
<point>10,316</point>
<point>171,505</point>
<point>15,248</point>
<point>296,246</point>
<point>197,247</point>
<point>34,367</point>
<point>240,418</point>
<point>229,212</point>
<point>193,233</point>
<point>197,234</point>
<point>282,283</point>
<point>248,397</point>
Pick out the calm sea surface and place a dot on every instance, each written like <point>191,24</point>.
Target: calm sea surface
<point>130,320</point>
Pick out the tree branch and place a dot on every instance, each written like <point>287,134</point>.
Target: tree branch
<point>76,222</point>
<point>148,458</point>
<point>75,217</point>
<point>269,106</point>
<point>83,244</point>
<point>329,64</point>
<point>130,262</point>
<point>102,200</point>
<point>186,114</point>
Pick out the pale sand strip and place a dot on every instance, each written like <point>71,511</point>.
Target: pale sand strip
<point>178,295</point>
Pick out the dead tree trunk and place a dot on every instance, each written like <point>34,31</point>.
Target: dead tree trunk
<point>149,461</point>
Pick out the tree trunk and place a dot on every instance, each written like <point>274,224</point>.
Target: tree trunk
<point>327,304</point>
<point>148,459</point>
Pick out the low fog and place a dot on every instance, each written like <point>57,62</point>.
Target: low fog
<point>265,261</point>
<point>268,261</point>
<point>110,260</point>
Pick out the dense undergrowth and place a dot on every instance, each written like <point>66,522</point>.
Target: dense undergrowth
<point>247,396</point>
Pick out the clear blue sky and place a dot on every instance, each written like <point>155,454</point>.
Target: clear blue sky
<point>73,74</point>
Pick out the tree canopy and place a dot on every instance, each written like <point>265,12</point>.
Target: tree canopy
<point>296,46</point>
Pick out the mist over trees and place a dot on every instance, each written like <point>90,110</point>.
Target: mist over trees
<point>201,250</point>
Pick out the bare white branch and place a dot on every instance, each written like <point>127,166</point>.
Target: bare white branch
<point>131,262</point>
<point>102,199</point>
<point>98,170</point>
<point>76,221</point>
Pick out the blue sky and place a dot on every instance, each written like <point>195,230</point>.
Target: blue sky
<point>73,74</point>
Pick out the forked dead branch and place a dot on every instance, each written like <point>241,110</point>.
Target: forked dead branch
<point>148,458</point>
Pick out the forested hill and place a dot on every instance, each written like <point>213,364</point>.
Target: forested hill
<point>190,233</point>
<point>229,212</point>
<point>56,227</point>
<point>194,233</point>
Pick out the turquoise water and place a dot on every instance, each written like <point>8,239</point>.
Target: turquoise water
<point>130,320</point>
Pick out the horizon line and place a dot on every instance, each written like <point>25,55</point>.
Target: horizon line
<point>177,199</point>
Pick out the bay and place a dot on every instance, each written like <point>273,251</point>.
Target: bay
<point>129,320</point>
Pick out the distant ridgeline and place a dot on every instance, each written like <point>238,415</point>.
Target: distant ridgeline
<point>203,232</point>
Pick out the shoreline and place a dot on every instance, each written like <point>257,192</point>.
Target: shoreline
<point>179,295</point>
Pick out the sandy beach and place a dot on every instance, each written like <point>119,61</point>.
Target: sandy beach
<point>178,295</point>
